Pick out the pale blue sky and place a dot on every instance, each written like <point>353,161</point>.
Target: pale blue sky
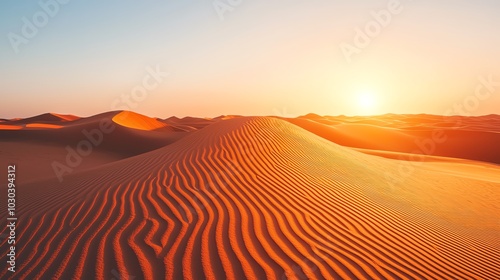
<point>264,58</point>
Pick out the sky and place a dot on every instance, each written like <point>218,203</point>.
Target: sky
<point>249,57</point>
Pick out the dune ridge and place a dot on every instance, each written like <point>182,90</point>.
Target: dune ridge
<point>257,198</point>
<point>46,118</point>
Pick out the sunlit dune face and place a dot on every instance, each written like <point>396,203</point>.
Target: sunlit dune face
<point>43,125</point>
<point>137,121</point>
<point>10,127</point>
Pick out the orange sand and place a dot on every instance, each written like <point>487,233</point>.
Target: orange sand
<point>42,125</point>
<point>10,127</point>
<point>137,121</point>
<point>257,198</point>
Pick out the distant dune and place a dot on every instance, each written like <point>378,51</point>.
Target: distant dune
<point>30,144</point>
<point>457,137</point>
<point>46,118</point>
<point>189,123</point>
<point>137,121</point>
<point>255,198</point>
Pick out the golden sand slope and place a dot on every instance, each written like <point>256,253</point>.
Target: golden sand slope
<point>258,198</point>
<point>137,121</point>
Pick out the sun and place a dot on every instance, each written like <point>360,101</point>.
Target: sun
<point>366,101</point>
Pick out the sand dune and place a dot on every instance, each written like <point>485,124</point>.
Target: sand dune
<point>36,159</point>
<point>137,121</point>
<point>38,146</point>
<point>458,137</point>
<point>257,198</point>
<point>190,123</point>
<point>124,133</point>
<point>66,117</point>
<point>46,118</point>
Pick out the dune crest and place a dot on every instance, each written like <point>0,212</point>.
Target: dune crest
<point>137,121</point>
<point>65,117</point>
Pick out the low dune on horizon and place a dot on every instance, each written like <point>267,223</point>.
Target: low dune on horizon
<point>121,195</point>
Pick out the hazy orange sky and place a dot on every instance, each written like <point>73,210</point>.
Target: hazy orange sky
<point>252,58</point>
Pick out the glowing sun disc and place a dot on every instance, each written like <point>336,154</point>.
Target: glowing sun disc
<point>366,101</point>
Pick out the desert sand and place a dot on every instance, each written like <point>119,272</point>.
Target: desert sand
<point>256,198</point>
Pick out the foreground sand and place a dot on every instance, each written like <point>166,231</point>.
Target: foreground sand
<point>261,198</point>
